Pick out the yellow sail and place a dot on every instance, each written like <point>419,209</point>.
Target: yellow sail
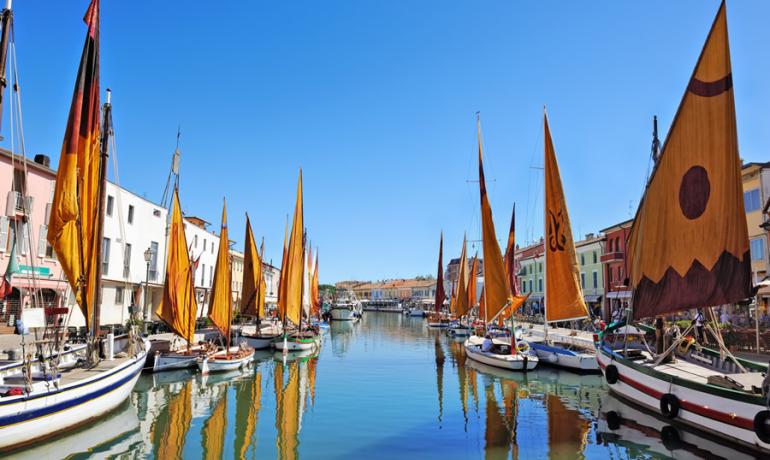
<point>214,429</point>
<point>563,295</point>
<point>177,307</point>
<point>472,282</point>
<point>689,242</point>
<point>172,441</point>
<point>497,291</point>
<point>295,262</point>
<point>221,299</point>
<point>282,274</point>
<point>461,292</point>
<point>316,294</point>
<point>252,302</point>
<point>75,206</point>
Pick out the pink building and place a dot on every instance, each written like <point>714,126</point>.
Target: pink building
<point>27,184</point>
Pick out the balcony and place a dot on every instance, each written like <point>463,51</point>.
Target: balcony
<point>612,257</point>
<point>16,203</point>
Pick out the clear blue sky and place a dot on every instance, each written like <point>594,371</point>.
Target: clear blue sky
<point>375,100</point>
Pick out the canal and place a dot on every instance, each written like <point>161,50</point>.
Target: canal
<point>387,387</point>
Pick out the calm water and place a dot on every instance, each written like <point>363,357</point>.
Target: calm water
<point>385,388</point>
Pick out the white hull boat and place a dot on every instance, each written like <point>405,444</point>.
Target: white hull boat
<point>80,395</point>
<point>519,362</point>
<point>260,342</point>
<point>343,314</point>
<point>171,360</point>
<point>297,343</point>
<point>416,313</point>
<point>565,357</point>
<point>221,362</point>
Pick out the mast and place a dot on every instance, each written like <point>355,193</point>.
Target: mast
<point>6,23</point>
<point>104,156</point>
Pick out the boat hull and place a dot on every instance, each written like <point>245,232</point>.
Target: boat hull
<point>725,413</point>
<point>438,324</point>
<point>415,313</point>
<point>343,314</point>
<point>169,361</point>
<point>517,362</point>
<point>558,356</point>
<point>292,344</point>
<point>259,342</point>
<point>211,364</point>
<point>24,419</point>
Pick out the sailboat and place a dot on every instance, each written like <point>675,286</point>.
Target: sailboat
<point>292,286</point>
<point>52,400</point>
<point>221,312</point>
<point>458,327</point>
<point>178,308</point>
<point>563,299</point>
<point>497,294</point>
<point>689,248</point>
<point>253,294</point>
<point>438,318</point>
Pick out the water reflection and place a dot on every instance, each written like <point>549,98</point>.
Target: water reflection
<point>387,387</point>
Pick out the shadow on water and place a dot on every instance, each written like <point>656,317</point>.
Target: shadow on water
<point>385,387</point>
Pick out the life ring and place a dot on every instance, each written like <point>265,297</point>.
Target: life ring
<point>522,347</point>
<point>684,347</point>
<point>669,405</point>
<point>611,374</point>
<point>613,420</point>
<point>762,425</point>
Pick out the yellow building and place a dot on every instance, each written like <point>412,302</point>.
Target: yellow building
<point>236,258</point>
<point>756,191</point>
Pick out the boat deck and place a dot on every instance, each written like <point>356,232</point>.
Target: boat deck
<point>78,373</point>
<point>582,339</point>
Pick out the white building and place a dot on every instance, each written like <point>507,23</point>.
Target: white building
<point>203,246</point>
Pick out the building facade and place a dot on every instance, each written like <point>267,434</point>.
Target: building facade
<point>756,192</point>
<point>203,245</point>
<point>617,292</point>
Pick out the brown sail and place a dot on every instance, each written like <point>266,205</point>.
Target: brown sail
<point>440,293</point>
<point>689,243</point>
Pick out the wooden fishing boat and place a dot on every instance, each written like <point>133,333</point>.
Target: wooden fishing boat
<point>563,297</point>
<point>49,400</point>
<point>498,294</point>
<point>221,312</point>
<point>689,248</point>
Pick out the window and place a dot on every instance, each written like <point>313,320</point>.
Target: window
<point>540,285</point>
<point>523,287</point>
<point>4,229</point>
<point>757,249</point>
<point>154,261</point>
<point>119,295</point>
<point>203,274</point>
<point>530,286</point>
<point>583,280</point>
<point>195,241</point>
<point>105,255</point>
<point>127,261</point>
<point>751,200</point>
<point>594,258</point>
<point>211,275</point>
<point>582,259</point>
<point>540,267</point>
<point>212,247</point>
<point>609,273</point>
<point>156,213</point>
<point>130,214</point>
<point>596,279</point>
<point>204,244</point>
<point>110,202</point>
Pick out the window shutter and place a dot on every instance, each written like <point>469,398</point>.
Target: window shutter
<point>23,239</point>
<point>4,224</point>
<point>42,244</point>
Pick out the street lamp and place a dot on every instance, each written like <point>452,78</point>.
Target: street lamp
<point>147,258</point>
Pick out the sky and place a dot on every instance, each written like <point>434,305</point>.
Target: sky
<point>376,101</point>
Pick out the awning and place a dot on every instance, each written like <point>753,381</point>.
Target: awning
<point>619,295</point>
<point>593,298</point>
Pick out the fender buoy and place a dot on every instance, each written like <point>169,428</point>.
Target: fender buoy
<point>523,347</point>
<point>613,420</point>
<point>669,405</point>
<point>670,437</point>
<point>762,425</point>
<point>611,374</point>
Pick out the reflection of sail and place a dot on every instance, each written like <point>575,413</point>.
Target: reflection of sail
<point>440,358</point>
<point>287,413</point>
<point>567,430</point>
<point>248,400</point>
<point>458,353</point>
<point>171,440</point>
<point>474,387</point>
<point>213,435</point>
<point>497,436</point>
<point>511,403</point>
<point>311,368</point>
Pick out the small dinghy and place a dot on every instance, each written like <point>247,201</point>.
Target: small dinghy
<point>500,355</point>
<point>225,360</point>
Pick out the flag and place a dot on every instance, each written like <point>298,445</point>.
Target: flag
<point>76,198</point>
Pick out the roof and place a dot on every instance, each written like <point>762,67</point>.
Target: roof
<point>625,223</point>
<point>197,221</point>
<point>30,162</point>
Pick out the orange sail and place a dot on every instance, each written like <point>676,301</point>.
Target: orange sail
<point>689,242</point>
<point>472,282</point>
<point>252,302</point>
<point>459,305</point>
<point>497,292</point>
<point>177,307</point>
<point>563,294</point>
<point>294,263</point>
<point>75,208</point>
<point>221,299</point>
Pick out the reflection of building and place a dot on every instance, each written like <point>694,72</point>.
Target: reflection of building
<point>616,290</point>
